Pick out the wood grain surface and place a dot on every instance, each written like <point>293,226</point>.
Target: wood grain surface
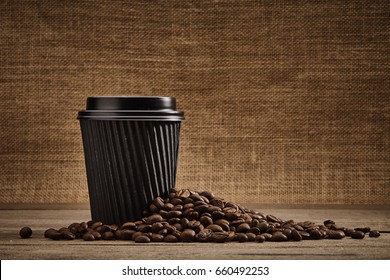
<point>37,247</point>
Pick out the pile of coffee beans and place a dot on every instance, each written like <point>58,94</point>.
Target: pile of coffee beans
<point>189,216</point>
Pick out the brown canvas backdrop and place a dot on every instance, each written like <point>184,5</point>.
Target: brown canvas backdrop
<point>285,101</point>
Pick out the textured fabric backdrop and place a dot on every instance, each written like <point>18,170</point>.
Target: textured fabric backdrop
<point>285,101</point>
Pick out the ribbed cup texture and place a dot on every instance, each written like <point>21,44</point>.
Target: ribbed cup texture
<point>128,164</point>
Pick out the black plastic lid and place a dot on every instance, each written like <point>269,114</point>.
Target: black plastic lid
<point>152,108</point>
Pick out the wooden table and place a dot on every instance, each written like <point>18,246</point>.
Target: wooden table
<point>37,247</point>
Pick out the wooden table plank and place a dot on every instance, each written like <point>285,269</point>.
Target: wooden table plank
<point>37,247</point>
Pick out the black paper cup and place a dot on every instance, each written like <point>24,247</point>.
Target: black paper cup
<point>131,147</point>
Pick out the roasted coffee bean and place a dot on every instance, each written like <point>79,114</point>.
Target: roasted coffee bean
<point>177,201</point>
<point>108,235</point>
<point>374,233</point>
<point>67,235</point>
<point>168,207</point>
<point>231,216</point>
<point>287,232</point>
<point>241,237</point>
<point>348,231</point>
<point>129,225</point>
<point>363,229</point>
<point>157,237</point>
<point>209,195</point>
<point>335,234</point>
<point>267,236</point>
<point>271,218</point>
<point>357,234</point>
<point>188,235</point>
<point>94,226</point>
<point>263,226</point>
<point>328,223</point>
<point>251,236</point>
<point>170,238</point>
<point>193,215</point>
<point>206,221</point>
<point>237,222</point>
<point>217,202</point>
<point>174,221</point>
<point>204,235</point>
<point>144,228</point>
<point>214,228</point>
<point>96,235</point>
<point>243,228</point>
<point>158,202</point>
<point>254,230</point>
<point>183,194</point>
<point>88,237</point>
<point>156,227</point>
<point>278,236</point>
<point>49,232</point>
<point>178,227</point>
<point>220,237</point>
<point>142,239</point>
<point>260,238</point>
<point>177,208</point>
<point>136,234</point>
<point>184,222</point>
<point>156,218</point>
<point>25,232</point>
<point>127,234</point>
<point>295,235</point>
<point>153,208</point>
<point>316,234</point>
<point>305,235</point>
<point>201,208</point>
<point>188,206</point>
<point>102,229</point>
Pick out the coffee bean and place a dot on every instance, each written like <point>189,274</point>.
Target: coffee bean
<point>260,238</point>
<point>254,230</point>
<point>357,234</point>
<point>158,202</point>
<point>129,225</point>
<point>267,236</point>
<point>205,235</point>
<point>348,231</point>
<point>96,235</point>
<point>251,236</point>
<point>363,229</point>
<point>142,239</point>
<point>263,226</point>
<point>217,202</point>
<point>193,215</point>
<point>154,219</point>
<point>108,235</point>
<point>156,227</point>
<point>305,235</point>
<point>241,237</point>
<point>25,232</point>
<point>295,235</point>
<point>237,222</point>
<point>231,216</point>
<point>67,235</point>
<point>94,226</point>
<point>220,237</point>
<point>201,208</point>
<point>177,201</point>
<point>170,238</point>
<point>278,237</point>
<point>374,233</point>
<point>157,237</point>
<point>315,234</point>
<point>183,194</point>
<point>243,227</point>
<point>206,221</point>
<point>214,228</point>
<point>168,206</point>
<point>209,195</point>
<point>335,234</point>
<point>288,233</point>
<point>88,237</point>
<point>188,235</point>
<point>127,234</point>
<point>271,218</point>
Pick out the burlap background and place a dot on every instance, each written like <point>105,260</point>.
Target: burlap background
<point>285,101</point>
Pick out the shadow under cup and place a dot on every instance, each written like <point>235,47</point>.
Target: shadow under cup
<point>131,148</point>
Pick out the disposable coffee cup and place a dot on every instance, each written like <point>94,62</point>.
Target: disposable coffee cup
<point>131,147</point>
